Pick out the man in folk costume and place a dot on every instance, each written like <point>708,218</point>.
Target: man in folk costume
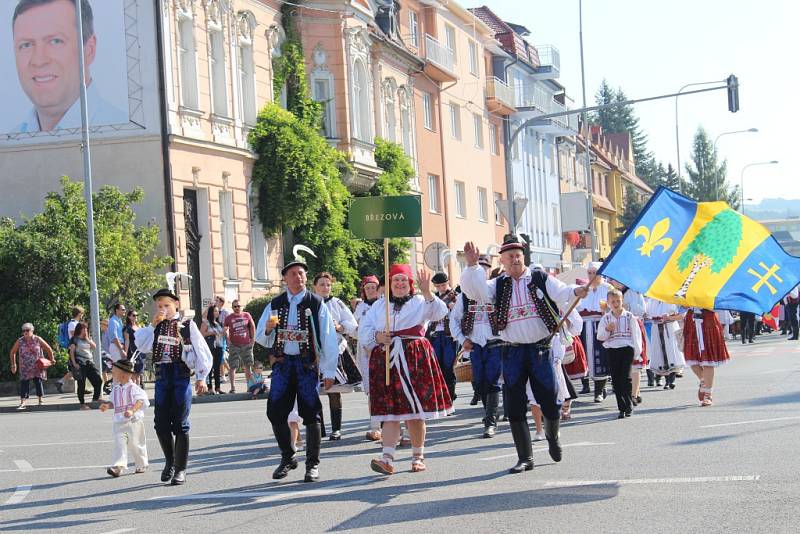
<point>440,336</point>
<point>592,309</point>
<point>469,323</point>
<point>525,317</point>
<point>178,348</point>
<point>298,330</point>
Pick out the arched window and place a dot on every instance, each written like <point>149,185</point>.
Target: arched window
<point>390,115</point>
<point>216,60</point>
<point>187,55</point>
<point>405,119</point>
<point>361,102</point>
<point>247,67</point>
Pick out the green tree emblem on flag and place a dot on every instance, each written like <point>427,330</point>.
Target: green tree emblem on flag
<point>715,246</point>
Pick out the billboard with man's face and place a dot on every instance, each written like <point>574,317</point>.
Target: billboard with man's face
<point>40,89</point>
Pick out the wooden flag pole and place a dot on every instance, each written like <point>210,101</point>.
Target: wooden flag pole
<point>386,286</point>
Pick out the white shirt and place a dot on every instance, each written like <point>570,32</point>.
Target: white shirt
<point>416,311</point>
<point>591,303</point>
<point>341,314</point>
<point>481,330</point>
<point>524,324</point>
<point>626,334</point>
<point>656,308</point>
<point>361,309</point>
<point>634,302</point>
<point>196,356</point>
<point>123,397</point>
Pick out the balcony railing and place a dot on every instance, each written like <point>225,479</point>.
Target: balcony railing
<point>438,54</point>
<point>534,97</point>
<point>549,56</point>
<point>500,91</point>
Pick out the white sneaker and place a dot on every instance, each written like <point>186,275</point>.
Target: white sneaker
<point>539,436</point>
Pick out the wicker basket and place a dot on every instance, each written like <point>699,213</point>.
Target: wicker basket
<point>463,371</point>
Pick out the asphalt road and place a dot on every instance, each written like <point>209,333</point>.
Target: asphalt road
<point>672,467</point>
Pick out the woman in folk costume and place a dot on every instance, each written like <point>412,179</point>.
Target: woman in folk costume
<point>704,349</point>
<point>416,390</point>
<point>592,309</point>
<point>369,294</point>
<point>576,365</point>
<point>666,356</point>
<point>347,375</point>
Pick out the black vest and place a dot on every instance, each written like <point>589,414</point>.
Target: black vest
<point>499,317</point>
<point>280,306</point>
<point>175,329</point>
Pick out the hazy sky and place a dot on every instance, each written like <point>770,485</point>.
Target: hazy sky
<point>650,47</point>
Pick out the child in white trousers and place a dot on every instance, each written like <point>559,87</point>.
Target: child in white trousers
<point>129,402</point>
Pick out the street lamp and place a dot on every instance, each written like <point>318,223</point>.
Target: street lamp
<point>677,134</point>
<point>741,184</point>
<point>716,178</point>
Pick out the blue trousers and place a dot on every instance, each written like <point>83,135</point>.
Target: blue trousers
<point>445,348</point>
<point>173,399</point>
<point>292,379</point>
<point>487,364</point>
<point>525,362</point>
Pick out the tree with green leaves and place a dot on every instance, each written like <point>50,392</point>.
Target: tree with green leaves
<point>714,247</point>
<point>44,263</point>
<point>707,177</point>
<point>630,212</point>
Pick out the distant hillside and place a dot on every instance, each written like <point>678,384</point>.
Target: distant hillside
<point>774,208</point>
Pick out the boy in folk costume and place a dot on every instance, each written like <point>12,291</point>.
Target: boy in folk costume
<point>440,336</point>
<point>621,335</point>
<point>525,317</point>
<point>592,309</point>
<point>178,348</point>
<point>469,323</point>
<point>297,328</point>
<point>128,401</point>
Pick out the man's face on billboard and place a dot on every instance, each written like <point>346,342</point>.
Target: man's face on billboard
<point>46,51</point>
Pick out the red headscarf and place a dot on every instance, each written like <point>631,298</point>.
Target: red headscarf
<point>371,279</point>
<point>402,268</point>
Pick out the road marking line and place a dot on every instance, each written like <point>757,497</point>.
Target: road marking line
<point>686,480</point>
<point>104,441</point>
<point>750,422</point>
<point>119,531</point>
<point>261,496</point>
<point>24,466</point>
<point>19,495</point>
<point>542,449</point>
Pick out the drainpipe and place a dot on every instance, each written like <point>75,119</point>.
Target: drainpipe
<point>162,89</point>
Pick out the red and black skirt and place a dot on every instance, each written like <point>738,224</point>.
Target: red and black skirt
<point>703,342</point>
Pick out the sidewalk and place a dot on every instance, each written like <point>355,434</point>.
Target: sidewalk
<point>69,401</point>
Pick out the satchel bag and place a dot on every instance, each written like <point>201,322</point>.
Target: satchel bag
<point>43,363</point>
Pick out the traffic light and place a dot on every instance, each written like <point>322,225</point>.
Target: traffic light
<point>733,94</point>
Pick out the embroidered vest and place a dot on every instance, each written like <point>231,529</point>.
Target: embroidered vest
<point>545,307</point>
<point>448,298</point>
<point>280,305</point>
<point>468,319</point>
<point>169,338</point>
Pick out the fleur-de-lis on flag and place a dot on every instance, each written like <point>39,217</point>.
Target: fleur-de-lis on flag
<point>655,237</point>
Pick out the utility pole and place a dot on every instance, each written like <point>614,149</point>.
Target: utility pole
<point>587,139</point>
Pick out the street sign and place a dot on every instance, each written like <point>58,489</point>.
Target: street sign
<point>384,217</point>
<point>519,208</point>
<point>436,256</point>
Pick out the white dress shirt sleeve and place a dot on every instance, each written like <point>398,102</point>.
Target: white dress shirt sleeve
<point>456,314</point>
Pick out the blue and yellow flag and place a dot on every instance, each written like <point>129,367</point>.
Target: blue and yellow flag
<point>703,255</point>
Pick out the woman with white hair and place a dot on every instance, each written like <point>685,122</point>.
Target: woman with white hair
<point>31,349</point>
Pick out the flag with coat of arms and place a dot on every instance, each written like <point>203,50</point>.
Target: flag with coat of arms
<point>702,255</point>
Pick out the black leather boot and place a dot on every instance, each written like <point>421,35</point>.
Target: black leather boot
<point>167,447</point>
<point>599,390</point>
<point>551,432</point>
<point>336,424</point>
<point>181,459</point>
<point>313,444</point>
<point>288,462</point>
<point>522,441</point>
<point>585,389</point>
<point>492,409</point>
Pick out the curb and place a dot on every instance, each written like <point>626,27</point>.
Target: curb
<point>74,406</point>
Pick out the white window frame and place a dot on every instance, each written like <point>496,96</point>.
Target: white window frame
<point>361,116</point>
<point>390,111</point>
<point>217,70</point>
<point>413,28</point>
<point>427,111</point>
<point>455,121</point>
<point>227,237</point>
<point>406,131</point>
<point>258,241</point>
<point>477,128</point>
<point>434,205</point>
<point>493,146</point>
<point>474,66</point>
<point>483,204</point>
<point>498,217</point>
<point>247,78</point>
<point>450,41</point>
<point>318,79</point>
<point>460,198</point>
<point>187,60</point>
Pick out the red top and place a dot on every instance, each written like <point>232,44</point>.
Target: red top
<point>238,325</point>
